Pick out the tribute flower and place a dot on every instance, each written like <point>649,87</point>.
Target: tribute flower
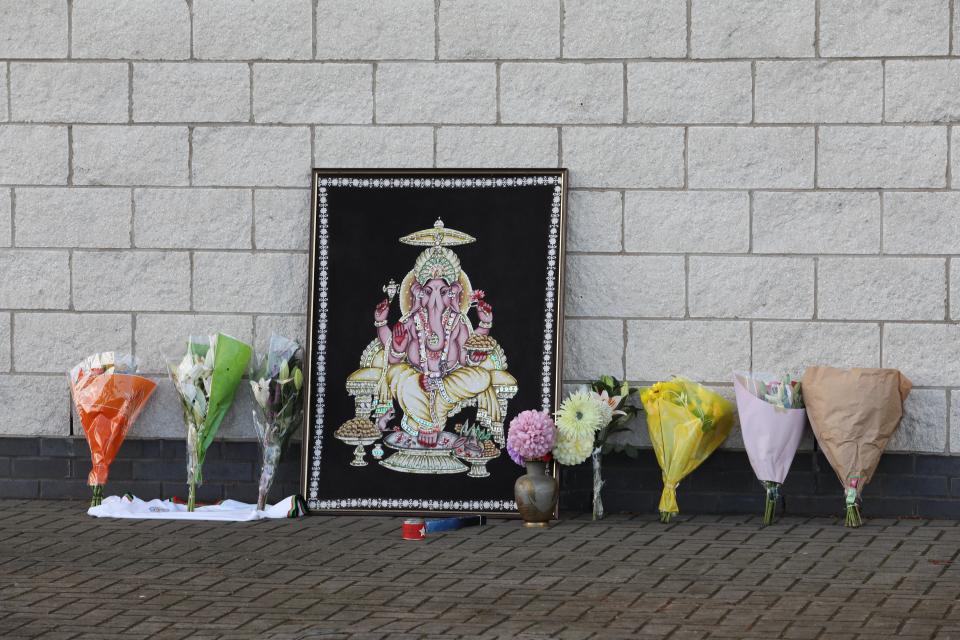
<point>531,436</point>
<point>772,419</point>
<point>571,450</point>
<point>854,413</point>
<point>686,422</point>
<point>581,415</point>
<point>206,379</point>
<point>276,379</point>
<point>109,397</point>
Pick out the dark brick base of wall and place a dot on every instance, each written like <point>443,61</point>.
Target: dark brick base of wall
<point>920,485</point>
<point>57,468</point>
<point>904,484</point>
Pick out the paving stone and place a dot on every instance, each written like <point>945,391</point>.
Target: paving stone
<point>345,576</point>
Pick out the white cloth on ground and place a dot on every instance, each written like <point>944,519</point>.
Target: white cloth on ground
<point>228,510</point>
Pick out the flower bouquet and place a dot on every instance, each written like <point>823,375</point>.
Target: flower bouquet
<point>206,379</point>
<point>276,378</point>
<point>531,438</point>
<point>109,397</point>
<point>772,419</point>
<point>854,412</point>
<point>586,421</point>
<point>687,422</point>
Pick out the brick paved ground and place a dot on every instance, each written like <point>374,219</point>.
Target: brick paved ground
<point>66,576</point>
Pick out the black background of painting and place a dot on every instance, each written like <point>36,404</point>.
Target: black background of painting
<point>508,261</point>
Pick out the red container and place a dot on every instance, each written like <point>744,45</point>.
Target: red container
<point>414,529</point>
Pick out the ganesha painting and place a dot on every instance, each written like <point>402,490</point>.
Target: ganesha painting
<point>424,377</point>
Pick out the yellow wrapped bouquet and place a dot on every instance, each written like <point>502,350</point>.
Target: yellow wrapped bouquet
<point>687,422</point>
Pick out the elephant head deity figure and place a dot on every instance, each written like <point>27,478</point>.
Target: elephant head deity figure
<point>433,357</point>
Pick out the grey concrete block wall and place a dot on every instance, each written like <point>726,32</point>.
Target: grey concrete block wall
<point>755,183</point>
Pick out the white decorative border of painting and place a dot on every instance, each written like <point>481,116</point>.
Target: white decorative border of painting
<point>322,305</point>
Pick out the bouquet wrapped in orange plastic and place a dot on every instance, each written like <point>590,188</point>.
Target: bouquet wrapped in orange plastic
<point>108,396</point>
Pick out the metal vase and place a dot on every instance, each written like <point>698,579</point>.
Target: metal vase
<point>536,495</point>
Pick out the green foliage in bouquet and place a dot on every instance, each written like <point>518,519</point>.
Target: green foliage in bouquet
<point>206,379</point>
<point>625,411</point>
<point>276,379</point>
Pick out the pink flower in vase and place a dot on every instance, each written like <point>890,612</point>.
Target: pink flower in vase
<point>531,436</point>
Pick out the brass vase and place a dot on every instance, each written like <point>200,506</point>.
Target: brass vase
<point>536,494</point>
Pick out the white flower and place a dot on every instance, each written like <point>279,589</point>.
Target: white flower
<point>261,390</point>
<point>571,451</point>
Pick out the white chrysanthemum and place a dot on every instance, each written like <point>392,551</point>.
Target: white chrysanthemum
<point>571,451</point>
<point>580,415</point>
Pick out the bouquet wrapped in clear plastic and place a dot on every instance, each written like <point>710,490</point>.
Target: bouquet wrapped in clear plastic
<point>206,379</point>
<point>687,422</point>
<point>772,419</point>
<point>854,413</point>
<point>276,378</point>
<point>108,396</point>
<point>588,419</point>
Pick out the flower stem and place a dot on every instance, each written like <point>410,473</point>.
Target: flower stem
<point>770,507</point>
<point>853,518</point>
<point>666,516</point>
<point>97,499</point>
<point>192,499</point>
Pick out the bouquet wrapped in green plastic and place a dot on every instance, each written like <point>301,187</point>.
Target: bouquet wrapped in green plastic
<point>206,379</point>
<point>276,378</point>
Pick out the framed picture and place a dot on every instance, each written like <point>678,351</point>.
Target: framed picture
<point>435,318</point>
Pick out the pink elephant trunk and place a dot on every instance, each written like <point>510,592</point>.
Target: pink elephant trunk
<point>435,314</point>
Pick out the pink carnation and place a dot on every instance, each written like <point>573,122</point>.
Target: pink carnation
<point>531,436</point>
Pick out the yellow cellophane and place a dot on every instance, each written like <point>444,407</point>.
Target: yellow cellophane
<point>687,422</point>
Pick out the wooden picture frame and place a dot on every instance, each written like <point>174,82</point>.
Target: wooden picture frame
<point>435,317</point>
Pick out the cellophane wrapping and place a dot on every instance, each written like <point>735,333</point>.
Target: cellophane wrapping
<point>854,413</point>
<point>686,422</point>
<point>108,396</point>
<point>772,420</point>
<point>206,379</point>
<point>276,378</point>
